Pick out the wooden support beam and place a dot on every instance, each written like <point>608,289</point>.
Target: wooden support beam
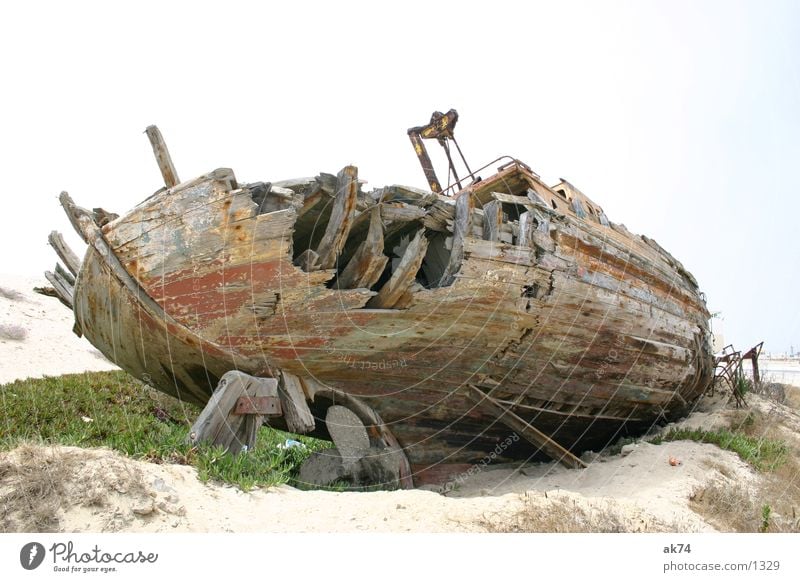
<point>299,418</point>
<point>368,262</point>
<point>220,424</point>
<point>404,276</point>
<point>492,220</point>
<point>162,157</point>
<point>461,229</point>
<point>342,215</point>
<point>527,431</point>
<point>64,253</point>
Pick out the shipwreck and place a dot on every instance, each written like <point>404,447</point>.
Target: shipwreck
<point>416,328</point>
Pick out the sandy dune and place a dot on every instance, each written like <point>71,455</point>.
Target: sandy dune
<point>35,334</point>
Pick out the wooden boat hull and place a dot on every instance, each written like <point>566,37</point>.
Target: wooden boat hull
<point>580,328</point>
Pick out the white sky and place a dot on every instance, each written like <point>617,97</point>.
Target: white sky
<point>682,119</point>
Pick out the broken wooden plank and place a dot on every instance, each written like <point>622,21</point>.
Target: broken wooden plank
<point>492,220</point>
<point>77,215</point>
<point>163,158</point>
<point>61,287</point>
<point>64,274</point>
<point>461,228</point>
<point>299,418</point>
<point>401,212</point>
<point>341,220</point>
<point>524,428</point>
<point>64,253</point>
<point>368,262</point>
<point>438,214</point>
<point>403,277</point>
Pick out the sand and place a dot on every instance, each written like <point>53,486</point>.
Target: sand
<point>36,336</point>
<point>101,490</point>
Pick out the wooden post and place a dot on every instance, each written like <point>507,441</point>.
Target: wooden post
<point>404,275</point>
<point>525,238</point>
<point>299,418</point>
<point>342,215</point>
<point>492,220</point>
<point>526,430</point>
<point>162,157</point>
<point>461,228</point>
<point>235,412</point>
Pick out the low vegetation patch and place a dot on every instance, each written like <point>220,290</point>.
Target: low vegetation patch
<point>764,454</point>
<point>771,501</point>
<point>112,409</point>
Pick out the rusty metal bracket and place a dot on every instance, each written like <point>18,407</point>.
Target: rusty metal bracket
<point>441,129</point>
<point>261,405</point>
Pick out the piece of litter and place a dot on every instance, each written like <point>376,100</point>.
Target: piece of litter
<point>87,419</point>
<point>290,443</point>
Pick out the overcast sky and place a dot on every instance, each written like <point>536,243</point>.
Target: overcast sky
<point>682,119</point>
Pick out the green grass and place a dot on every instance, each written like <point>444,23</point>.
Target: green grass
<point>112,409</point>
<point>764,454</point>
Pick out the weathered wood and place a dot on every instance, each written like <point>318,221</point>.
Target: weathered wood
<point>403,277</point>
<point>438,214</point>
<point>308,260</point>
<point>400,212</point>
<point>163,158</point>
<point>492,220</point>
<point>526,430</point>
<point>342,215</point>
<point>64,274</point>
<point>526,227</point>
<point>61,287</point>
<point>368,262</point>
<point>299,418</point>
<point>219,422</point>
<point>512,313</point>
<point>77,215</point>
<point>102,216</point>
<point>461,228</point>
<point>64,253</point>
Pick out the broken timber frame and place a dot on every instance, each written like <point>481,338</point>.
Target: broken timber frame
<point>526,430</point>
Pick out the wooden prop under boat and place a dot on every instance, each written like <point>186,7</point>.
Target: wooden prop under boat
<point>511,321</point>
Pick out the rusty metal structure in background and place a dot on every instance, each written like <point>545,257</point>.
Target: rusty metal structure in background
<point>441,128</point>
<point>729,369</point>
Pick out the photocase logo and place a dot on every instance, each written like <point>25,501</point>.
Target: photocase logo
<point>31,555</point>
